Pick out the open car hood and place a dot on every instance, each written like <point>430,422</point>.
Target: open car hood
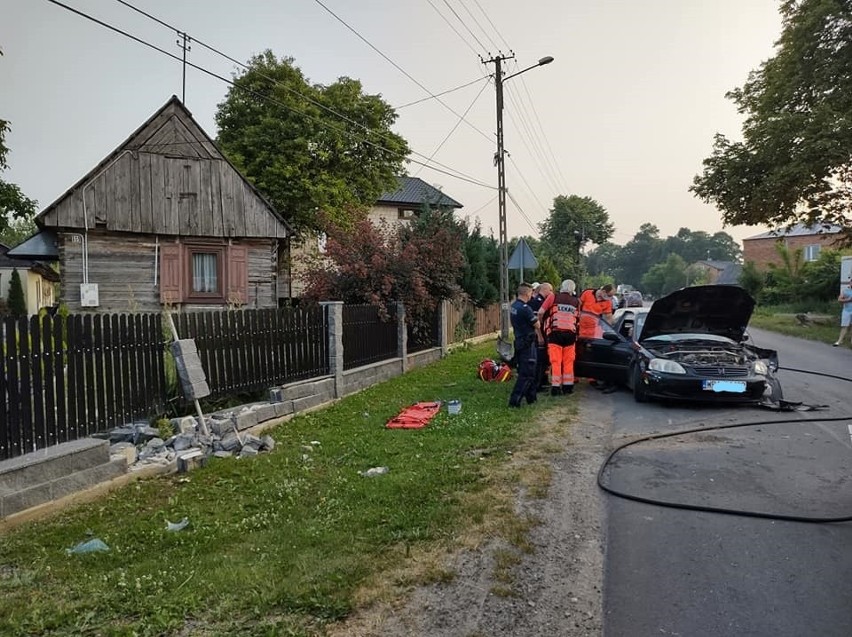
<point>723,310</point>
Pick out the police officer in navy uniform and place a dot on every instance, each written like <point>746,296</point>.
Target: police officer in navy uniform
<point>527,337</point>
<point>540,292</point>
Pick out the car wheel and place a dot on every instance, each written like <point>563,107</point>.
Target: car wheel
<point>640,392</point>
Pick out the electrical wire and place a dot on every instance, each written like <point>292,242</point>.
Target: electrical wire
<point>534,147</point>
<point>527,184</point>
<point>452,90</point>
<point>476,22</point>
<point>456,31</point>
<point>557,167</point>
<point>284,86</point>
<point>499,35</point>
<point>724,510</point>
<point>473,35</point>
<point>402,70</point>
<point>269,99</point>
<point>453,129</point>
<point>521,210</point>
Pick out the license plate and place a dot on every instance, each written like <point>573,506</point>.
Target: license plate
<point>733,386</point>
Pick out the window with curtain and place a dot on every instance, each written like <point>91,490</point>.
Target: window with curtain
<point>205,273</point>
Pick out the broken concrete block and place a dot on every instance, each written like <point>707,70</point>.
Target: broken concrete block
<point>248,451</point>
<point>190,460</point>
<point>125,449</point>
<point>268,443</point>
<point>245,419</point>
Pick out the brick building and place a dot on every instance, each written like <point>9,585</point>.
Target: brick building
<point>761,250</point>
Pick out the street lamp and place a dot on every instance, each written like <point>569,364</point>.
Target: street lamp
<point>499,159</point>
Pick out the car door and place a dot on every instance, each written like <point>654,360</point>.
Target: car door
<point>604,355</point>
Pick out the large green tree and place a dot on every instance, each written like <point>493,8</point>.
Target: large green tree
<point>309,147</point>
<point>573,222</point>
<point>795,160</point>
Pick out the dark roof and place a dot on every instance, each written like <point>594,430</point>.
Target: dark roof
<point>26,264</point>
<point>413,191</point>
<point>42,246</point>
<point>716,265</point>
<point>798,230</point>
<point>730,275</point>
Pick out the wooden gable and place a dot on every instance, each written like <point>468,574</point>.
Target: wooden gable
<point>168,178</point>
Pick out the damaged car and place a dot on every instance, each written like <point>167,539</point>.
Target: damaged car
<point>689,345</point>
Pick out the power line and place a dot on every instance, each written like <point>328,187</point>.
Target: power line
<point>453,129</point>
<point>472,34</point>
<point>500,35</point>
<point>544,135</point>
<point>526,183</point>
<point>400,69</point>
<point>271,79</point>
<point>459,176</point>
<point>476,22</point>
<point>529,130</point>
<point>533,155</point>
<point>452,90</point>
<point>456,31</point>
<point>521,210</point>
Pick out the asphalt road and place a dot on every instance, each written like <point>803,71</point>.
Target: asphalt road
<point>678,572</point>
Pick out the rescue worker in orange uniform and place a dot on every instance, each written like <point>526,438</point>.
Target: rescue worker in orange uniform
<point>595,304</point>
<point>558,314</point>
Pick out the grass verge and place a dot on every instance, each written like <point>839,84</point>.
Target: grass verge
<point>292,542</point>
<point>787,324</point>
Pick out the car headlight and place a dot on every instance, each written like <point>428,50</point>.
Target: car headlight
<point>761,368</point>
<point>665,365</point>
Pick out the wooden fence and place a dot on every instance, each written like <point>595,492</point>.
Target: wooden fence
<point>465,320</point>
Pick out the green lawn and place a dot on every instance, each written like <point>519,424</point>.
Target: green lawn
<point>786,323</point>
<point>290,542</point>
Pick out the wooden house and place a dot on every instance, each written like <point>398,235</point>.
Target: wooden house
<point>166,219</point>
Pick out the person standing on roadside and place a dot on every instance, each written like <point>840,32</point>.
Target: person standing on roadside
<point>525,324</point>
<point>543,291</point>
<point>559,316</point>
<point>845,299</point>
<point>594,306</point>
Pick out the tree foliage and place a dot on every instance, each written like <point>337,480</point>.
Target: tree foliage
<point>795,160</point>
<point>480,279</point>
<point>573,222</point>
<point>278,129</point>
<point>14,204</point>
<point>16,303</point>
<point>17,230</point>
<point>369,263</point>
<point>667,276</point>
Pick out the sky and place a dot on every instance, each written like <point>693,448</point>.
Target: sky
<point>624,114</point>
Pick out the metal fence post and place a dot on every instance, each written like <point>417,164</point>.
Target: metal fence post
<point>334,310</point>
<point>402,335</point>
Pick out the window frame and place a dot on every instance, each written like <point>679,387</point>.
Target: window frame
<point>192,249</point>
<point>811,252</point>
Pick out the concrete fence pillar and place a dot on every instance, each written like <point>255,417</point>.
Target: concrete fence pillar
<point>402,335</point>
<point>444,327</point>
<point>334,312</point>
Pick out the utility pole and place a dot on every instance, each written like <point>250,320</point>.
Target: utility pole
<point>499,160</point>
<point>183,45</point>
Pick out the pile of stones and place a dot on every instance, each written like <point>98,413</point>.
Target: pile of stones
<point>188,447</point>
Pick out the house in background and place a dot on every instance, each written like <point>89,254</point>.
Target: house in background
<point>761,248</point>
<point>166,219</point>
<point>37,279</point>
<point>408,201</point>
<point>720,272</point>
<point>391,210</point>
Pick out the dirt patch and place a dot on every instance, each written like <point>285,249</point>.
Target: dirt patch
<point>542,578</point>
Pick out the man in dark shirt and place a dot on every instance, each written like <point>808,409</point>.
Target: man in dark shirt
<point>527,336</point>
<point>539,295</point>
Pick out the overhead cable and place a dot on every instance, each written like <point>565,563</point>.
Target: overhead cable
<point>453,129</point>
<point>402,70</point>
<point>452,90</point>
<point>472,34</point>
<point>265,97</point>
<point>455,30</point>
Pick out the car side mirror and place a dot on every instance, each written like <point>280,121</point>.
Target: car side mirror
<point>611,336</point>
